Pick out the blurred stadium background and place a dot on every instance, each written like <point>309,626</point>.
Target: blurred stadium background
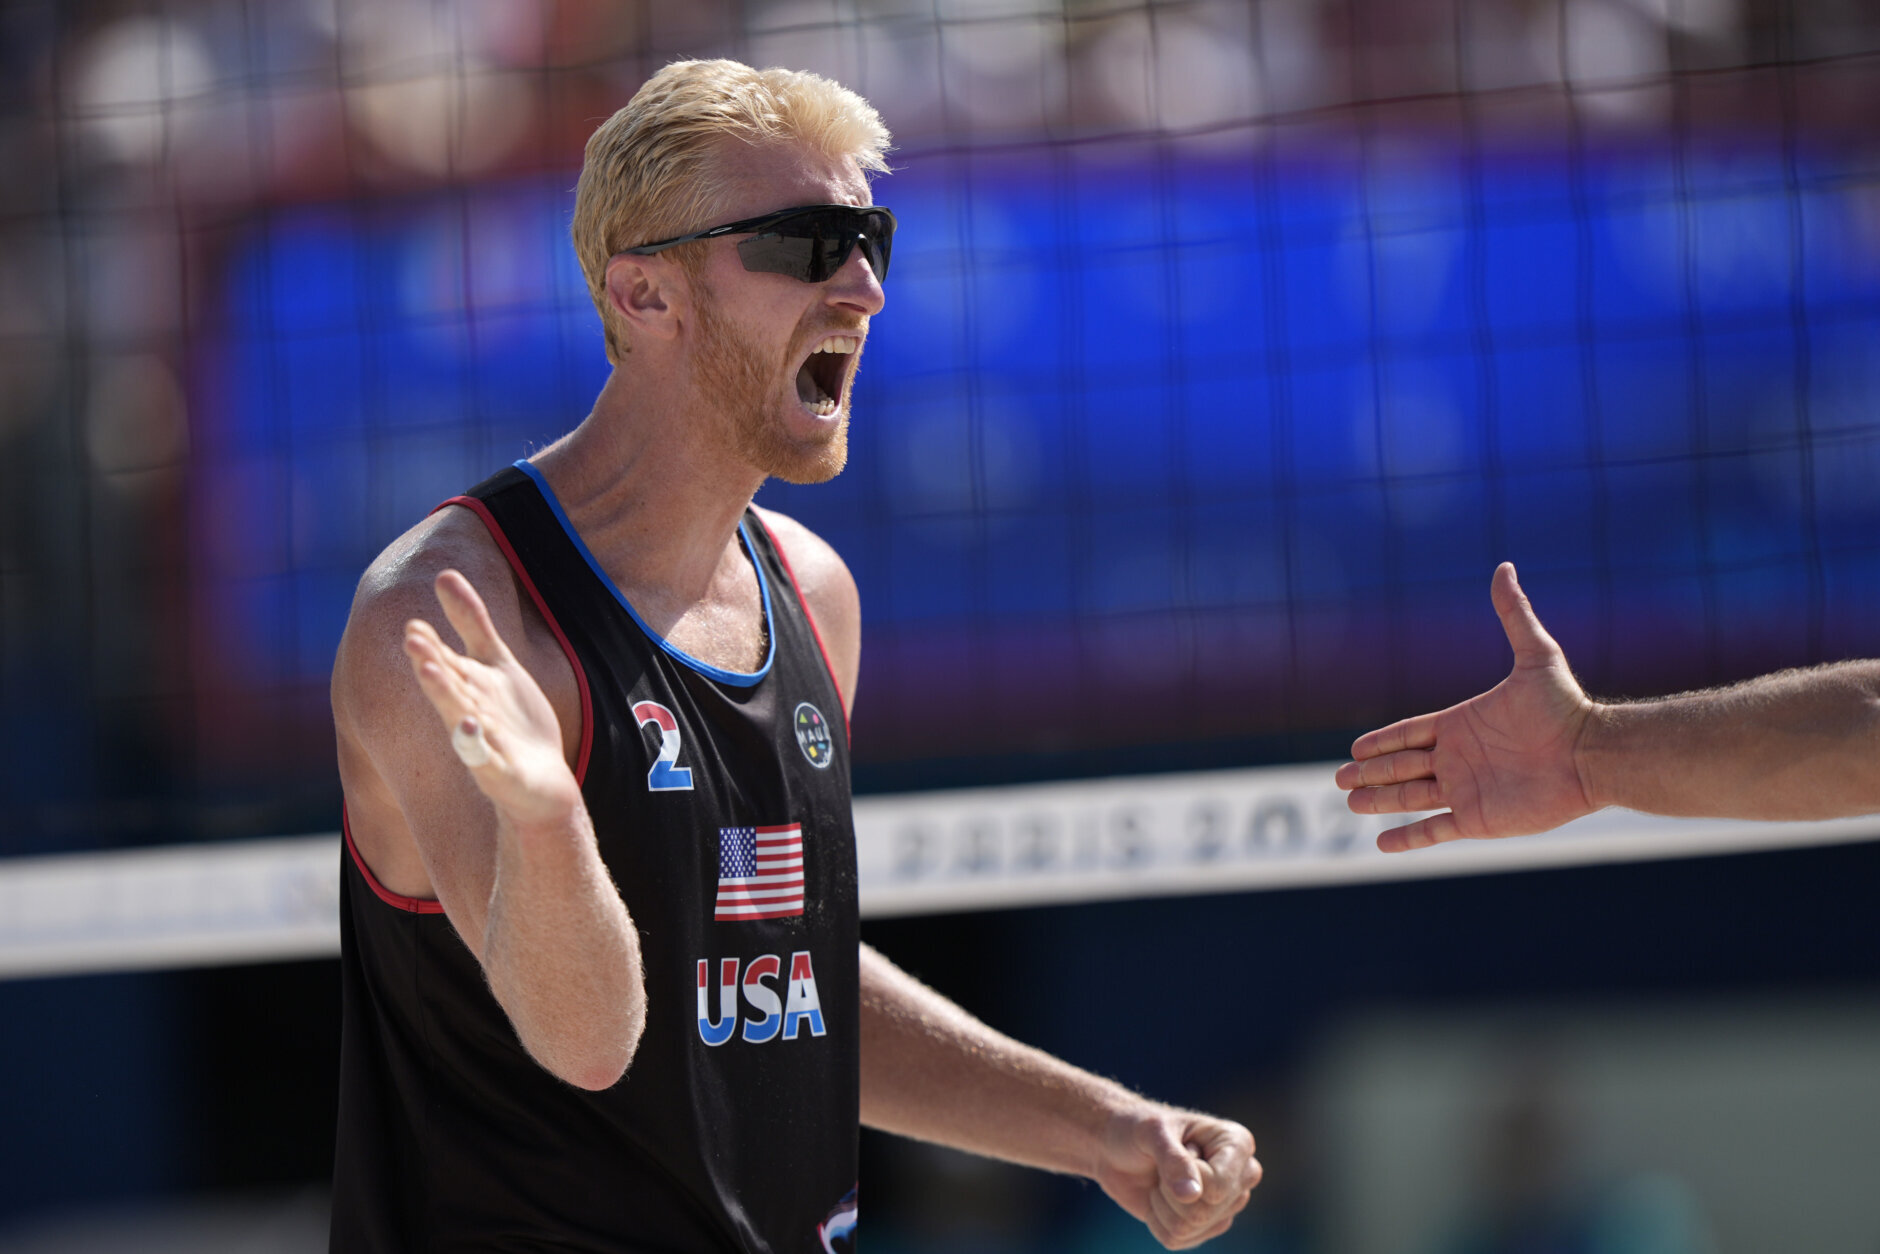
<point>1230,344</point>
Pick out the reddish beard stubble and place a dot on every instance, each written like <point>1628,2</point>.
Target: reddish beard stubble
<point>739,385</point>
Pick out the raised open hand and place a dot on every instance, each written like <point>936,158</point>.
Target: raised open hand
<point>500,723</point>
<point>1185,1175</point>
<point>1502,763</point>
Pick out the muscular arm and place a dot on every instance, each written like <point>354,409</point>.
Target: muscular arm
<point>1798,744</point>
<point>1534,751</point>
<point>930,1070</point>
<point>507,846</point>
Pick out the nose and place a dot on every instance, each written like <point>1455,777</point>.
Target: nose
<point>855,288</point>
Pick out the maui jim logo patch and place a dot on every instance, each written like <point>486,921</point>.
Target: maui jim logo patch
<point>812,736</point>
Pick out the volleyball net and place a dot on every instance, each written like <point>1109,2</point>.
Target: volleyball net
<point>1229,345</point>
<point>918,853</point>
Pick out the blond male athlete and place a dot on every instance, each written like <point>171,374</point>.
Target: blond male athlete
<point>603,982</point>
<point>1535,751</point>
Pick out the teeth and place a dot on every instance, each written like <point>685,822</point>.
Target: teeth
<point>825,406</point>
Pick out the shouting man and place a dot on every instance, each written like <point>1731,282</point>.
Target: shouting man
<point>604,989</point>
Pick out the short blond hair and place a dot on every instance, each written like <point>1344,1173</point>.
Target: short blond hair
<point>649,173</point>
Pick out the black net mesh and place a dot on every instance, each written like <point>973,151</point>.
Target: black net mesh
<point>1228,348</point>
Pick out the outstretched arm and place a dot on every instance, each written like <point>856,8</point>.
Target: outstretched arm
<point>932,1071</point>
<point>1534,751</point>
<point>1798,744</point>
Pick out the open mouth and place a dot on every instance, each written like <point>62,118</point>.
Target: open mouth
<point>824,375</point>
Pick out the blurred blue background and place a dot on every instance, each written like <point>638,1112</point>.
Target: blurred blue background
<point>1172,449</point>
<point>1229,345</point>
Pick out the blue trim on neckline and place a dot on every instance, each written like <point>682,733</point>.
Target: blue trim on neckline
<point>738,679</point>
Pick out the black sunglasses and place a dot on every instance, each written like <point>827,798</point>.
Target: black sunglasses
<point>810,242</point>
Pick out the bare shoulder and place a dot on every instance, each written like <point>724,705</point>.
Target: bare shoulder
<point>398,587</point>
<point>450,539</point>
<point>401,787</point>
<point>828,590</point>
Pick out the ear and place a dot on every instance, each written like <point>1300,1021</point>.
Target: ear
<point>648,293</point>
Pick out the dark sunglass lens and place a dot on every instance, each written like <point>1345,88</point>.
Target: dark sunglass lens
<point>813,245</point>
<point>875,231</point>
<point>827,256</point>
<point>878,243</point>
<point>778,254</point>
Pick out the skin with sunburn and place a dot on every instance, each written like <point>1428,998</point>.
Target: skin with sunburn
<point>725,389</point>
<point>1535,751</point>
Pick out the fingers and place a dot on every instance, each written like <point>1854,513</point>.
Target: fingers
<point>1178,1226</point>
<point>1175,1164</point>
<point>440,669</point>
<point>440,673</point>
<point>1226,1222</point>
<point>1405,798</point>
<point>1183,1228</point>
<point>1420,835</point>
<point>436,665</point>
<point>471,618</point>
<point>1394,768</point>
<point>1529,639</point>
<point>1205,1170</point>
<point>1411,733</point>
<point>1229,1171</point>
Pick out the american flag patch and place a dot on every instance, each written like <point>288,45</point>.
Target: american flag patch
<point>760,873</point>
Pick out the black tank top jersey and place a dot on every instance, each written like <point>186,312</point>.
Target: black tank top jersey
<point>721,804</point>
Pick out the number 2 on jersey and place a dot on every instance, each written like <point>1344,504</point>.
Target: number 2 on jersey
<point>665,776</point>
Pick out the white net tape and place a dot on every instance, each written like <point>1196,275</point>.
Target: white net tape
<point>917,853</point>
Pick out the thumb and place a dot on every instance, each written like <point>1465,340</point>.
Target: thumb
<point>1175,1164</point>
<point>1529,639</point>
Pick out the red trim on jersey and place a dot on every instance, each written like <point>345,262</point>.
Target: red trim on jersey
<point>416,905</point>
<point>580,676</point>
<point>811,619</point>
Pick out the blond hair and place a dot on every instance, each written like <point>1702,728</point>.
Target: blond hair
<point>649,173</point>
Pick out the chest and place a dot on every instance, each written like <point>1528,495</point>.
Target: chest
<point>723,813</point>
<point>727,633</point>
<point>675,745</point>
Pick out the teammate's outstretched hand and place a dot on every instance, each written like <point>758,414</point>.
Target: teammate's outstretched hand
<point>500,723</point>
<point>1185,1175</point>
<point>1502,763</point>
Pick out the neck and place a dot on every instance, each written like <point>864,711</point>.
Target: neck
<point>648,482</point>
